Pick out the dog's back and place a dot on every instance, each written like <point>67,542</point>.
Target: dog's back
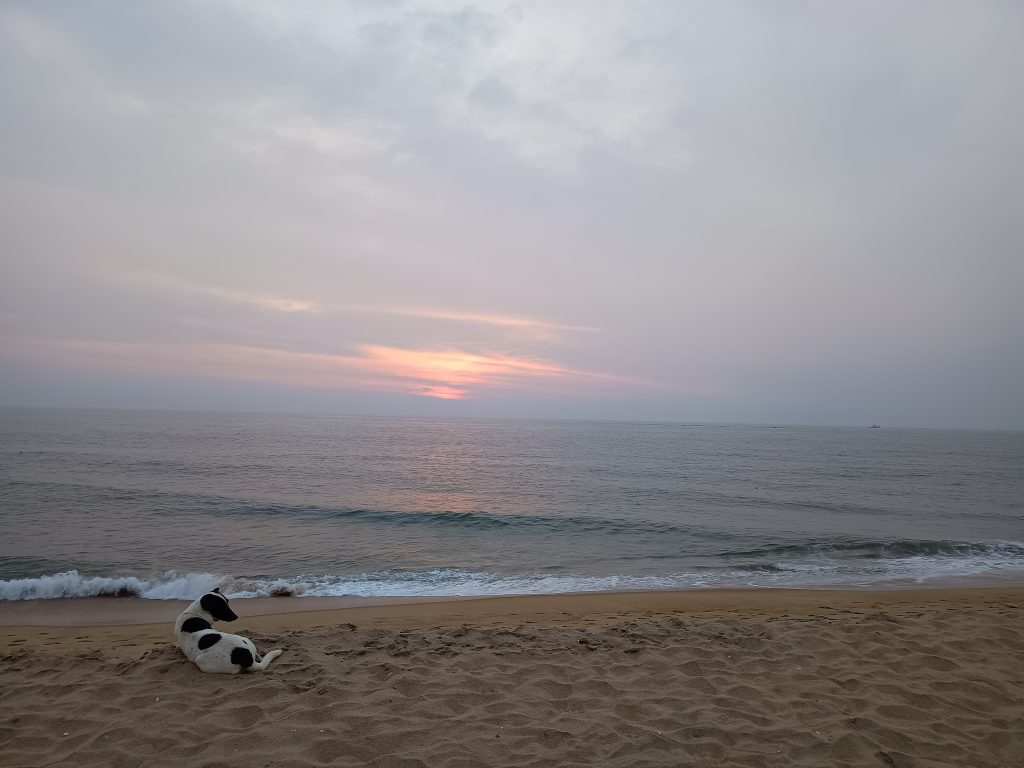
<point>187,632</point>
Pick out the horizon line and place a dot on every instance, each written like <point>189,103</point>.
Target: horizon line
<point>465,417</point>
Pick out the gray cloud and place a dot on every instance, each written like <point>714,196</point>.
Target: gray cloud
<point>799,212</point>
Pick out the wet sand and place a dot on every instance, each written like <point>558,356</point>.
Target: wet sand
<point>716,678</point>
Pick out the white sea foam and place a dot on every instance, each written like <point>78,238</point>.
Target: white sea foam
<point>443,582</point>
<point>172,585</point>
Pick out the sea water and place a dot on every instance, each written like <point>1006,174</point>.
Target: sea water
<point>168,504</point>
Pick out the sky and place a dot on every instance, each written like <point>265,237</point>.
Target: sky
<point>764,212</point>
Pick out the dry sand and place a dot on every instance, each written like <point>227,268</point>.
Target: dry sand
<point>717,678</point>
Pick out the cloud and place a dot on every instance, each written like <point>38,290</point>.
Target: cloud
<point>233,295</point>
<point>506,321</point>
<point>744,200</point>
<point>448,374</point>
<point>443,369</point>
<point>458,374</point>
<point>546,82</point>
<point>534,328</point>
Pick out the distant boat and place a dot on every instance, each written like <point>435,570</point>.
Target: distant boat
<point>875,426</point>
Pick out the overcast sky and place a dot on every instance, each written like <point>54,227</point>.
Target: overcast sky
<point>799,212</point>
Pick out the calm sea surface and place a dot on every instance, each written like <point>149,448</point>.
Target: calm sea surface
<point>166,505</point>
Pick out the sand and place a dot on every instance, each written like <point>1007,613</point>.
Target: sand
<point>716,678</point>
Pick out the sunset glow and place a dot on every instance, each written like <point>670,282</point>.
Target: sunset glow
<point>451,374</point>
<point>443,374</point>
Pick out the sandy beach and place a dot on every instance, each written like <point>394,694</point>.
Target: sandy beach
<point>716,678</point>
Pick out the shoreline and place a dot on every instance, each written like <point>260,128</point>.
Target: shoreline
<point>126,627</point>
<point>138,611</point>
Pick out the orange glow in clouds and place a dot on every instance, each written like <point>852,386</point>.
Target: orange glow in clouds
<point>449,374</point>
<point>445,374</point>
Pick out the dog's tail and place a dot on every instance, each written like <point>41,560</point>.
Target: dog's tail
<point>268,657</point>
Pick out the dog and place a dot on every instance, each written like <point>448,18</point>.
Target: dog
<point>214,651</point>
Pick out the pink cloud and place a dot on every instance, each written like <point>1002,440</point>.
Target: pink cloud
<point>448,374</point>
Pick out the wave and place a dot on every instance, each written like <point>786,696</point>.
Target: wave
<point>474,519</point>
<point>882,549</point>
<point>203,505</point>
<point>806,565</point>
<point>70,584</point>
<point>431,583</point>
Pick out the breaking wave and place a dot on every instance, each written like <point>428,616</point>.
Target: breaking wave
<point>70,584</point>
<point>814,564</point>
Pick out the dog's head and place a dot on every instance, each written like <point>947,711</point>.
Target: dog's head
<point>215,604</point>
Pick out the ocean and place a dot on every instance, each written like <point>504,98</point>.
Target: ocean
<point>166,505</point>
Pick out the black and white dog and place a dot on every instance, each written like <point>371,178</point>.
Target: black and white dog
<point>215,651</point>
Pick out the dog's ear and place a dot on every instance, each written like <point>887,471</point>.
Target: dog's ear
<point>216,589</point>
